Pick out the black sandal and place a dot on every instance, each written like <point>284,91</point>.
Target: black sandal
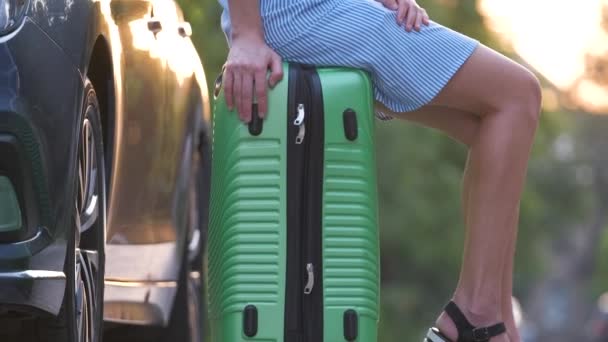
<point>466,331</point>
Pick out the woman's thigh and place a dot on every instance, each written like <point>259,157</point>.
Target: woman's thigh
<point>458,125</point>
<point>408,69</point>
<point>489,82</point>
<point>436,67</point>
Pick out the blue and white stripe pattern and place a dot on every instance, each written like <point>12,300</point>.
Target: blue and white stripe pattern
<point>408,69</point>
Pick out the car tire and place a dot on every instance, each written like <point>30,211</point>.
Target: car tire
<point>90,237</point>
<point>80,318</point>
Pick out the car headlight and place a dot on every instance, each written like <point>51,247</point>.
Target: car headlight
<point>11,14</point>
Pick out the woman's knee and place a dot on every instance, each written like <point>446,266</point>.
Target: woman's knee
<point>490,83</point>
<point>525,95</point>
<point>533,94</point>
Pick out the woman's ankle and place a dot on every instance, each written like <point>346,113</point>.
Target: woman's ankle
<point>478,316</point>
<point>447,327</point>
<point>480,313</point>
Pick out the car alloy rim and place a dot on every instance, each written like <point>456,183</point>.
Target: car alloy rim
<point>87,211</point>
<point>83,327</point>
<point>88,172</point>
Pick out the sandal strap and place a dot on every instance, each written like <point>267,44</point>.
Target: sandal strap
<point>461,322</point>
<point>467,332</point>
<point>482,334</point>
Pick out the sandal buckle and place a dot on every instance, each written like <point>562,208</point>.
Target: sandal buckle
<point>481,334</point>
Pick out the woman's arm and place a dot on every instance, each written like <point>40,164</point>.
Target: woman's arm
<point>249,60</point>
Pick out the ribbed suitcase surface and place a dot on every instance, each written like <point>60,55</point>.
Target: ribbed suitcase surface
<point>253,236</point>
<point>350,236</point>
<point>246,251</point>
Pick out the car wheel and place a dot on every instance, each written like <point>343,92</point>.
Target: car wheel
<point>81,316</point>
<point>90,225</point>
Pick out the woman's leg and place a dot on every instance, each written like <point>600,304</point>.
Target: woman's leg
<point>458,125</point>
<point>507,279</point>
<point>507,290</point>
<point>506,99</point>
<point>464,128</point>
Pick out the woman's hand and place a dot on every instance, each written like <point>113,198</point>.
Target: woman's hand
<point>246,72</point>
<point>408,13</point>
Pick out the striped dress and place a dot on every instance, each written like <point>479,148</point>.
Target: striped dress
<point>408,69</point>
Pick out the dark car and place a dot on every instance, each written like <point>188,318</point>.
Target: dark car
<point>104,134</point>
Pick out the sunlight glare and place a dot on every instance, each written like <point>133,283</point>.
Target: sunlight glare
<point>553,36</point>
<point>589,90</point>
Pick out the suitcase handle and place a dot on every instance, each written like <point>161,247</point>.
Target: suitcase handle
<point>256,124</point>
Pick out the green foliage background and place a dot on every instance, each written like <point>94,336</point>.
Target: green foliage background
<point>420,174</point>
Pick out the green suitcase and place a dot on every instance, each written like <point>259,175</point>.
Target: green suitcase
<point>293,249</point>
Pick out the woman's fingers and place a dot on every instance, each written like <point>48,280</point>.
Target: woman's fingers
<point>276,70</point>
<point>246,96</point>
<point>412,13</point>
<point>238,83</point>
<point>418,21</point>
<point>228,78</point>
<point>402,11</point>
<point>246,77</point>
<point>425,17</point>
<point>391,4</point>
<point>260,92</point>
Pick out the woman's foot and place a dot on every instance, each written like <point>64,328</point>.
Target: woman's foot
<point>448,328</point>
<point>512,331</point>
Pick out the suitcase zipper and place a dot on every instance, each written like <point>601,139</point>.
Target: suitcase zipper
<point>303,303</point>
<point>313,301</point>
<point>306,223</point>
<point>299,121</point>
<point>301,115</point>
<point>294,330</point>
<point>310,282</point>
